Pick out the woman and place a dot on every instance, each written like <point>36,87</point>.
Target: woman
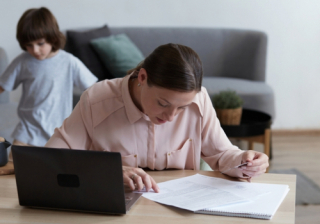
<point>158,117</point>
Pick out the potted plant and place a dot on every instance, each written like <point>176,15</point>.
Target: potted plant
<point>228,106</point>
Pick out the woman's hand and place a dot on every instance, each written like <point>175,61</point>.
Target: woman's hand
<point>257,163</point>
<point>137,178</point>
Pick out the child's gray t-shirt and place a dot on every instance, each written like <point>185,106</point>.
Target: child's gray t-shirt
<point>47,92</point>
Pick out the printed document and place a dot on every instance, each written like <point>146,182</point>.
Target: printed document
<point>198,192</point>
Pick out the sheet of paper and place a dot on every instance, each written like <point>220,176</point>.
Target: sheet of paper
<point>199,191</point>
<point>266,204</point>
<point>243,189</point>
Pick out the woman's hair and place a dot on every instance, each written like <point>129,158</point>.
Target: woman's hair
<point>39,23</point>
<point>173,66</point>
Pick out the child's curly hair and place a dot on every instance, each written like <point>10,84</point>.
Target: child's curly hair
<point>39,23</point>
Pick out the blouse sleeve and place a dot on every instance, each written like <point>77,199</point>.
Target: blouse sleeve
<point>76,130</point>
<point>217,150</point>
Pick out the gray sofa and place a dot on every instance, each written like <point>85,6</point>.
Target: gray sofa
<point>8,110</point>
<point>232,59</point>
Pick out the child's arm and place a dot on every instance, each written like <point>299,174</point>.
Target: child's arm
<point>82,76</point>
<point>11,77</point>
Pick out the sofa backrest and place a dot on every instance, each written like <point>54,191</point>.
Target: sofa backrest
<point>4,97</point>
<point>224,52</point>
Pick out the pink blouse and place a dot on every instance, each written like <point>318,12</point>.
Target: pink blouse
<point>106,119</point>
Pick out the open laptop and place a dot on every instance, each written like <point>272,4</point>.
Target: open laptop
<point>67,179</point>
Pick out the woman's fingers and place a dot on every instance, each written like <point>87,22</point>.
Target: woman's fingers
<point>257,163</point>
<point>129,182</point>
<point>255,157</point>
<point>137,178</point>
<point>146,180</point>
<point>154,185</point>
<point>253,173</point>
<point>138,181</point>
<point>255,168</point>
<point>128,173</point>
<point>151,184</point>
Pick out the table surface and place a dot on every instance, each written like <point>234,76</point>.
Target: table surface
<point>7,169</point>
<point>144,211</point>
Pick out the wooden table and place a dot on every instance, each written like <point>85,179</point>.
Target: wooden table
<point>7,169</point>
<point>144,211</point>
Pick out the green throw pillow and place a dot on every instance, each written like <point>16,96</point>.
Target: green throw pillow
<point>118,53</point>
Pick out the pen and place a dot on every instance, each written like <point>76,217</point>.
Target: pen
<point>243,164</point>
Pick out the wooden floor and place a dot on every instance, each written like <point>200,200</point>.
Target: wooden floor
<point>300,151</point>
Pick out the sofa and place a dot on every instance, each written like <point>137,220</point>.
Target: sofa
<point>8,109</point>
<point>232,59</point>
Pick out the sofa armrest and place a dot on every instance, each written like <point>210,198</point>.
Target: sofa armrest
<point>4,97</point>
<point>8,119</point>
<point>76,96</point>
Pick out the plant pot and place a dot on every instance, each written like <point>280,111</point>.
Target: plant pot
<point>229,116</point>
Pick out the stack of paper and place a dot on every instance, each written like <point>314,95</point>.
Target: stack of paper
<point>210,195</point>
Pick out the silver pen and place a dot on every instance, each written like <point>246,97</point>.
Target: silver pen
<point>241,165</point>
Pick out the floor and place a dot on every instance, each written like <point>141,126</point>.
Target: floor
<point>300,151</point>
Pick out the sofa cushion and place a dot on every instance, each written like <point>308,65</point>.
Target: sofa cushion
<point>118,53</point>
<point>8,119</point>
<point>78,44</point>
<point>256,95</point>
<point>4,97</point>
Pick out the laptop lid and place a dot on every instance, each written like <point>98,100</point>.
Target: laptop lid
<point>67,179</point>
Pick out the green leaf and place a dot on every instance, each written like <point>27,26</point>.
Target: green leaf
<point>227,100</point>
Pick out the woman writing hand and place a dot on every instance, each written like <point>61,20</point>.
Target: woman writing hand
<point>257,163</point>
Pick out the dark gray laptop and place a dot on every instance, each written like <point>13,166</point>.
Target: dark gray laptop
<point>67,179</point>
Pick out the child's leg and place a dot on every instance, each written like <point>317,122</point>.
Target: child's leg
<point>16,142</point>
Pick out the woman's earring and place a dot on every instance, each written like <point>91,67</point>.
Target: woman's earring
<point>139,84</point>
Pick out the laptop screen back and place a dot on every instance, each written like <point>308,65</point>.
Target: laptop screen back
<point>69,179</point>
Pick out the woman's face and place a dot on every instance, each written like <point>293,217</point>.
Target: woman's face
<point>162,105</point>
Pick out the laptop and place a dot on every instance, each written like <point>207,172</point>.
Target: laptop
<point>79,180</point>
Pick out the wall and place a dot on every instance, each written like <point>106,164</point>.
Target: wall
<point>293,28</point>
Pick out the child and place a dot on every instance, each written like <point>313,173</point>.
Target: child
<point>47,75</point>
